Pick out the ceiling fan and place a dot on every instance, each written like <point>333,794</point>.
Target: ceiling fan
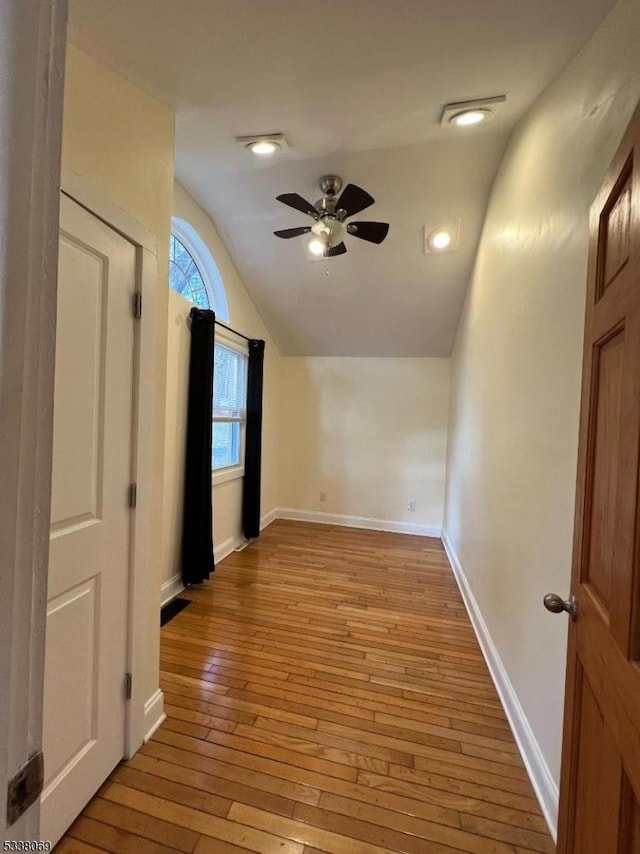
<point>330,213</point>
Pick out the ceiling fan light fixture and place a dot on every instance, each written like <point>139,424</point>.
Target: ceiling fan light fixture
<point>468,114</point>
<point>318,244</point>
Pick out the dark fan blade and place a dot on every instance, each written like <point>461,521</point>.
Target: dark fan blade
<point>286,233</point>
<point>340,249</point>
<point>354,199</point>
<point>297,202</point>
<point>374,232</point>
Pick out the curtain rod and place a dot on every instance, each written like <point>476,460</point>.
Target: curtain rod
<point>235,331</point>
<point>200,312</point>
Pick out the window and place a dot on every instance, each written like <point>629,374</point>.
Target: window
<point>193,274</point>
<point>229,408</point>
<point>185,277</point>
<point>192,271</point>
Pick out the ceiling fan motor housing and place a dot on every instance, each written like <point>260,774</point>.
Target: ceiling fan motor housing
<point>330,184</point>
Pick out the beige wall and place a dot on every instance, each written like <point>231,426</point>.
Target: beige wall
<point>120,141</point>
<point>244,317</point>
<point>369,432</point>
<point>516,367</point>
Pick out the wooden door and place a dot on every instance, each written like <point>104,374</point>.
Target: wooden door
<point>86,642</point>
<point>600,786</point>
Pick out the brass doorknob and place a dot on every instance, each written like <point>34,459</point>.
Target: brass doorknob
<point>556,604</point>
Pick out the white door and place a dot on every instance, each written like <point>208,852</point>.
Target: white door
<point>88,595</point>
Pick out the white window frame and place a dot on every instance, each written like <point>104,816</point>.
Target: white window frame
<point>197,248</point>
<point>228,473</point>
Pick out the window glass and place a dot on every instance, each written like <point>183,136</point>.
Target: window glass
<point>184,276</point>
<point>229,406</point>
<point>226,444</point>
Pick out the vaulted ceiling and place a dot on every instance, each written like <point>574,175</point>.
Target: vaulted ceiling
<point>357,87</point>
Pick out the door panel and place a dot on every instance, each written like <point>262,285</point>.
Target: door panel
<point>615,230</point>
<point>607,393</point>
<point>70,677</point>
<point>600,785</point>
<point>86,644</point>
<point>598,779</point>
<point>78,448</point>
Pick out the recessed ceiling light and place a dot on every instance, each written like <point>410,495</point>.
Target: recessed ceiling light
<point>441,238</point>
<point>263,144</point>
<point>469,117</point>
<point>264,147</point>
<point>462,114</point>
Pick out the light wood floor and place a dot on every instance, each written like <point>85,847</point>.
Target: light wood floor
<point>325,693</point>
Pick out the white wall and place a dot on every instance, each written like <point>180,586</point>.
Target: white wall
<point>120,141</point>
<point>369,432</point>
<point>244,317</point>
<point>515,387</point>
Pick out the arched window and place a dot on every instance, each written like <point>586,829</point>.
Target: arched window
<point>194,275</point>
<point>192,271</point>
<point>185,277</point>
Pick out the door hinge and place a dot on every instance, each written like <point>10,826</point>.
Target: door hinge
<point>128,685</point>
<point>137,305</point>
<point>25,788</point>
<point>133,495</point>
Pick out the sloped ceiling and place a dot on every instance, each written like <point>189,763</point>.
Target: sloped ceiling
<point>357,87</point>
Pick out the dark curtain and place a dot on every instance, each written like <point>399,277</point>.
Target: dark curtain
<point>197,530</point>
<point>253,443</point>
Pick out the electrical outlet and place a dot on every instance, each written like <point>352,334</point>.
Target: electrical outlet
<point>323,496</point>
<point>411,504</point>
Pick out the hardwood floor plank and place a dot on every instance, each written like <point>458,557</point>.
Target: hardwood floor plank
<point>387,754</point>
<point>475,786</point>
<point>209,825</point>
<point>69,845</point>
<point>208,845</point>
<point>332,842</point>
<point>313,748</point>
<point>401,833</point>
<point>317,781</point>
<point>281,754</point>
<point>213,785</point>
<point>527,839</point>
<point>465,738</point>
<point>114,839</point>
<point>236,774</point>
<point>177,793</point>
<point>138,824</point>
<point>325,695</point>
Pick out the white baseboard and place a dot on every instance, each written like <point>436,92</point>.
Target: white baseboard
<point>232,543</point>
<point>542,780</point>
<point>170,589</point>
<point>268,518</point>
<point>153,713</point>
<point>358,522</point>
<point>229,545</point>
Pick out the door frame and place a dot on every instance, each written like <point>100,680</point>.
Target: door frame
<point>32,55</point>
<point>143,714</point>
